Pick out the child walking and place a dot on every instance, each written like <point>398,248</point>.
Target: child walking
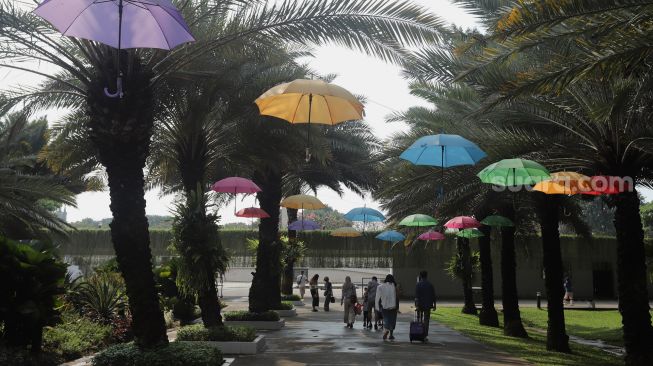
<point>367,321</point>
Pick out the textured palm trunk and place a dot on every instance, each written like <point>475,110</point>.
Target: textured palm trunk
<point>264,293</point>
<point>465,254</point>
<point>121,130</point>
<point>556,335</point>
<point>631,277</point>
<point>209,304</point>
<point>512,323</point>
<point>488,314</point>
<point>289,269</point>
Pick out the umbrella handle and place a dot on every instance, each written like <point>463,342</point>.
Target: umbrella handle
<point>119,93</point>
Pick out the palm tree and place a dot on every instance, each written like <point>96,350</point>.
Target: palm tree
<point>120,129</point>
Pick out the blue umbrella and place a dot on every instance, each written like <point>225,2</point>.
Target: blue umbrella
<point>391,235</point>
<point>444,151</point>
<point>303,225</point>
<point>364,214</point>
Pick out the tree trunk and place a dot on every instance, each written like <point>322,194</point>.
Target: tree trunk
<point>121,130</point>
<point>264,294</point>
<point>631,277</point>
<point>556,336</point>
<point>289,269</point>
<point>467,271</point>
<point>209,304</point>
<point>512,324</point>
<point>488,314</point>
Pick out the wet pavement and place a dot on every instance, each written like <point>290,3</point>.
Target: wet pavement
<point>321,339</point>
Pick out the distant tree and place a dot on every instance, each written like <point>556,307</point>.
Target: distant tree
<point>328,218</point>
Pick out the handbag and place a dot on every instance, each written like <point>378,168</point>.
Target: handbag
<point>358,308</point>
<point>332,300</point>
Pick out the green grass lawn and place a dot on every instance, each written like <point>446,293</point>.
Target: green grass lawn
<point>598,324</point>
<point>532,350</point>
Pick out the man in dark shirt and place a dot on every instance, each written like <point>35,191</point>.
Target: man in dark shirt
<point>424,299</point>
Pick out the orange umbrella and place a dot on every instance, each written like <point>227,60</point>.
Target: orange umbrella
<point>564,183</point>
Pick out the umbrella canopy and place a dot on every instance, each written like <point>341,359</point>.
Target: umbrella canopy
<point>252,212</point>
<point>235,185</point>
<point>514,172</point>
<point>431,235</point>
<point>418,220</point>
<point>391,235</point>
<point>564,183</point>
<point>364,214</point>
<point>604,184</point>
<point>303,225</point>
<point>497,220</point>
<point>462,222</point>
<point>444,151</point>
<point>302,202</point>
<point>470,233</point>
<point>346,232</point>
<point>310,101</point>
<point>143,23</point>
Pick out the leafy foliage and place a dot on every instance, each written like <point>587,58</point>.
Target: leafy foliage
<point>174,354</point>
<point>76,336</point>
<point>101,296</point>
<point>286,305</point>
<point>293,297</point>
<point>249,316</point>
<point>454,266</point>
<point>32,280</point>
<point>197,332</point>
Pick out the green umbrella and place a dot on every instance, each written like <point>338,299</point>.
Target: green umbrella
<point>418,220</point>
<point>497,220</point>
<point>470,233</point>
<point>514,172</point>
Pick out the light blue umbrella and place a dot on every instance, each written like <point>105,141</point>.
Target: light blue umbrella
<point>364,214</point>
<point>391,235</point>
<point>444,151</point>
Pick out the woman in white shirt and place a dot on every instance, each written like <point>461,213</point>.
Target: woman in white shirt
<point>386,303</point>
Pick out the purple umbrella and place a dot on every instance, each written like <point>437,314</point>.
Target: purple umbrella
<point>303,225</point>
<point>120,24</point>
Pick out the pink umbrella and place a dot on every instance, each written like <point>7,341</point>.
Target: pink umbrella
<point>235,185</point>
<point>462,222</point>
<point>252,212</point>
<point>431,235</point>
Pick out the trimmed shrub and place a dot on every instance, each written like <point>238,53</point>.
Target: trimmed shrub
<point>243,315</point>
<point>286,305</point>
<point>197,332</point>
<point>292,297</point>
<point>75,337</point>
<point>174,354</point>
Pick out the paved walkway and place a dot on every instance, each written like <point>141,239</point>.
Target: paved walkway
<point>321,339</point>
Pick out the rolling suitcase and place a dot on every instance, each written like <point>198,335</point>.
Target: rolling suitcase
<point>417,330</point>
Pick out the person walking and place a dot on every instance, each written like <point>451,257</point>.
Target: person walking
<point>569,292</point>
<point>301,284</point>
<point>313,284</point>
<point>386,303</point>
<point>348,290</point>
<point>328,293</point>
<point>424,301</point>
<point>371,295</point>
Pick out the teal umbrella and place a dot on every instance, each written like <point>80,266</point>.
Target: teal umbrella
<point>514,172</point>
<point>497,220</point>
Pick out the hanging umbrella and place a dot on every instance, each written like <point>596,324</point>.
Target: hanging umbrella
<point>497,220</point>
<point>418,220</point>
<point>346,232</point>
<point>564,183</point>
<point>462,222</point>
<point>310,101</point>
<point>235,185</point>
<point>302,202</point>
<point>121,24</point>
<point>391,235</point>
<point>603,184</point>
<point>444,151</point>
<point>252,212</point>
<point>303,225</point>
<point>431,235</point>
<point>364,214</point>
<point>514,172</point>
<point>470,233</point>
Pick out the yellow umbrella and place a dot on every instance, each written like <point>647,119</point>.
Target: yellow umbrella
<point>310,101</point>
<point>346,232</point>
<point>302,202</point>
<point>564,183</point>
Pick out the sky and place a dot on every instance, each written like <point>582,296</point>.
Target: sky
<point>381,83</point>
